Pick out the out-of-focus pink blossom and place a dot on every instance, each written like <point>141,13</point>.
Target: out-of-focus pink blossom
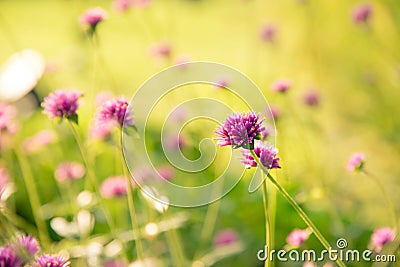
<point>311,98</point>
<point>381,236</point>
<point>68,171</point>
<point>166,172</point>
<point>225,237</point>
<point>160,50</point>
<point>281,86</point>
<point>297,237</point>
<point>122,5</point>
<point>116,186</point>
<point>268,33</point>
<point>361,13</point>
<point>356,162</point>
<point>92,17</point>
<point>38,141</point>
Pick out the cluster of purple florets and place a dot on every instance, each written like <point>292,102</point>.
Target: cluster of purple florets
<point>22,252</point>
<point>244,130</point>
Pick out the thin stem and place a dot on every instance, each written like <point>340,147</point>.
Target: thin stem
<point>92,178</point>
<point>296,206</point>
<point>389,203</point>
<point>33,196</point>
<point>267,222</point>
<point>177,254</point>
<point>131,207</point>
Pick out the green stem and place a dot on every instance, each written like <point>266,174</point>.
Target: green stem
<point>33,196</point>
<point>131,207</point>
<point>389,203</point>
<point>267,222</point>
<point>92,177</point>
<point>296,206</point>
<point>177,255</point>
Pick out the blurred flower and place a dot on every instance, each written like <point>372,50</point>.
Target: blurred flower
<point>311,98</point>
<point>27,245</point>
<point>102,131</point>
<point>115,110</point>
<point>9,257</point>
<point>140,3</point>
<point>268,33</point>
<point>8,124</point>
<point>114,263</point>
<point>122,5</point>
<point>356,162</point>
<point>309,264</point>
<point>221,82</point>
<point>160,50</point>
<point>266,133</point>
<point>61,104</point>
<point>38,141</point>
<point>297,237</point>
<point>4,180</point>
<point>92,17</point>
<point>182,60</point>
<point>20,74</point>
<point>281,86</point>
<point>266,154</point>
<point>274,112</point>
<point>361,13</point>
<point>173,142</point>
<point>240,130</point>
<point>47,260</point>
<point>166,172</point>
<point>381,236</point>
<point>68,171</point>
<point>225,237</point>
<point>114,187</point>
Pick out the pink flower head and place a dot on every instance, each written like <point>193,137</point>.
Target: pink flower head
<point>281,86</point>
<point>116,186</point>
<point>381,236</point>
<point>268,33</point>
<point>221,82</point>
<point>356,162</point>
<point>26,247</point>
<point>102,97</point>
<point>240,130</point>
<point>160,50</point>
<point>38,141</point>
<point>9,257</point>
<point>361,13</point>
<point>265,153</point>
<point>182,60</point>
<point>311,98</point>
<point>61,104</point>
<point>93,16</point>
<point>115,110</point>
<point>297,237</point>
<point>225,237</point>
<point>8,124</point>
<point>47,260</point>
<point>122,5</point>
<point>174,142</point>
<point>166,172</point>
<point>114,263</point>
<point>68,171</point>
<point>4,179</point>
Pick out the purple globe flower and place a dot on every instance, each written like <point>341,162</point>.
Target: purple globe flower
<point>47,260</point>
<point>114,187</point>
<point>92,17</point>
<point>281,86</point>
<point>114,110</point>
<point>27,245</point>
<point>268,33</point>
<point>361,13</point>
<point>68,171</point>
<point>311,98</point>
<point>240,130</point>
<point>62,104</point>
<point>382,236</point>
<point>9,257</point>
<point>356,162</point>
<point>265,153</point>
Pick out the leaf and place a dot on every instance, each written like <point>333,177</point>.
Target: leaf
<point>73,118</point>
